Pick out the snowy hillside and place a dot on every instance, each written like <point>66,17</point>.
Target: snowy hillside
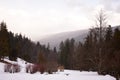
<point>66,75</point>
<point>55,40</point>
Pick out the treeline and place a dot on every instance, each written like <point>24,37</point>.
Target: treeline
<point>97,53</point>
<point>16,45</point>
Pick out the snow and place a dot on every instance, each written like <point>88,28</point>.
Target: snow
<point>1,68</point>
<point>20,62</point>
<point>66,75</point>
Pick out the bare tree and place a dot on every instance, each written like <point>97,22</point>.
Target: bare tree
<point>101,23</point>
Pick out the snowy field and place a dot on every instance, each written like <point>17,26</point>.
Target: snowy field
<point>66,75</point>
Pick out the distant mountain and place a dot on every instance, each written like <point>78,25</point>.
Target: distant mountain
<point>55,40</point>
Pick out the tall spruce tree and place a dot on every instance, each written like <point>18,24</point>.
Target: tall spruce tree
<point>4,40</point>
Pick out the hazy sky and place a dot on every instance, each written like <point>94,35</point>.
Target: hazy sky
<point>37,18</point>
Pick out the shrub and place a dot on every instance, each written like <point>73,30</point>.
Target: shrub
<point>7,67</point>
<point>61,68</point>
<point>51,67</point>
<point>12,68</point>
<point>34,68</point>
<point>28,68</point>
<point>41,69</point>
<point>16,68</point>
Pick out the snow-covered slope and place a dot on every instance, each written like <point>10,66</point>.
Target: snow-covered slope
<point>55,40</point>
<point>66,75</point>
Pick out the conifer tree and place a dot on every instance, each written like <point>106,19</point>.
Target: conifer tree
<point>4,40</point>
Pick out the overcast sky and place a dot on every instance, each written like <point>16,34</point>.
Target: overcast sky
<point>38,18</point>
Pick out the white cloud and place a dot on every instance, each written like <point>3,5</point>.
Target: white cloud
<point>38,18</point>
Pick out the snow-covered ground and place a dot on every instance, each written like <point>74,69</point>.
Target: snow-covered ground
<point>66,75</point>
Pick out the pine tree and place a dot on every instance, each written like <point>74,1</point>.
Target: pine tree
<point>109,34</point>
<point>62,52</point>
<point>4,40</point>
<point>55,51</point>
<point>116,39</point>
<point>41,58</point>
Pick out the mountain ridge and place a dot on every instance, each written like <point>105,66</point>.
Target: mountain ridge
<point>78,35</point>
<point>54,40</point>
